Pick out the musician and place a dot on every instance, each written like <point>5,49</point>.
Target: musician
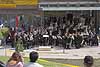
<point>67,41</point>
<point>85,41</point>
<point>12,36</point>
<point>59,40</point>
<point>64,41</point>
<point>54,40</point>
<point>76,21</point>
<point>78,40</point>
<point>39,40</point>
<point>28,41</point>
<point>24,40</point>
<point>8,39</point>
<point>46,37</point>
<point>51,41</point>
<point>91,38</point>
<point>95,40</point>
<point>31,39</point>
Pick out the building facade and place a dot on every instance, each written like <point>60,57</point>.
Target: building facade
<point>32,10</point>
<point>75,7</point>
<point>27,10</point>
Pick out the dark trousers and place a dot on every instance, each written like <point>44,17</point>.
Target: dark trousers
<point>12,43</point>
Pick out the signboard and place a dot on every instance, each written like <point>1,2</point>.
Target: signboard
<point>7,1</point>
<point>26,2</point>
<point>7,4</point>
<point>14,3</point>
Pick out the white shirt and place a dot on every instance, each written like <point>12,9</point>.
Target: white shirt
<point>33,65</point>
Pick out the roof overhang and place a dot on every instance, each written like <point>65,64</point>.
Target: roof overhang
<point>69,8</point>
<point>63,6</point>
<point>21,11</point>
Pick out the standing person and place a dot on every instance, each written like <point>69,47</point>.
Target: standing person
<point>12,36</point>
<point>8,39</point>
<point>88,61</point>
<point>33,58</point>
<point>24,39</point>
<point>68,41</point>
<point>15,60</point>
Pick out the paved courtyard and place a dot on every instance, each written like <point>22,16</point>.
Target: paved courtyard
<point>58,53</point>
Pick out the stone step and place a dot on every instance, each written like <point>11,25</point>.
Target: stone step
<point>44,48</point>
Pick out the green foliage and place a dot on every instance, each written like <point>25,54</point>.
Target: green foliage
<point>19,45</point>
<point>3,32</point>
<point>1,35</point>
<point>50,64</point>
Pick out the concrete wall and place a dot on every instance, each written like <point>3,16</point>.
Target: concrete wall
<point>98,21</point>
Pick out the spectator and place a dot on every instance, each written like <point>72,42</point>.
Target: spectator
<point>33,58</point>
<point>88,61</point>
<point>15,60</point>
<point>2,64</point>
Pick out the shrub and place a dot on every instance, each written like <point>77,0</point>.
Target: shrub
<point>19,45</point>
<point>3,32</point>
<point>1,35</point>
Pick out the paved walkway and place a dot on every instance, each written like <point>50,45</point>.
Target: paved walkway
<point>58,53</point>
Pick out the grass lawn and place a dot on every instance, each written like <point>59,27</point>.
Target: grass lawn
<point>45,63</point>
<point>57,62</point>
<point>77,62</point>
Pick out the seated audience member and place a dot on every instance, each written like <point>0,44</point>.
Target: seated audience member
<point>88,61</point>
<point>33,58</point>
<point>15,60</point>
<point>2,64</point>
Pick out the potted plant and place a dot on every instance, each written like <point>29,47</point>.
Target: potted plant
<point>3,33</point>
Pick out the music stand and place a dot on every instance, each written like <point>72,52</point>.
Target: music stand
<point>46,40</point>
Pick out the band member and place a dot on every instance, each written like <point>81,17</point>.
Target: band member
<point>68,41</point>
<point>51,41</point>
<point>64,41</point>
<point>12,33</point>
<point>31,39</point>
<point>95,40</point>
<point>54,40</point>
<point>78,40</point>
<point>85,41</point>
<point>24,39</point>
<point>8,39</point>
